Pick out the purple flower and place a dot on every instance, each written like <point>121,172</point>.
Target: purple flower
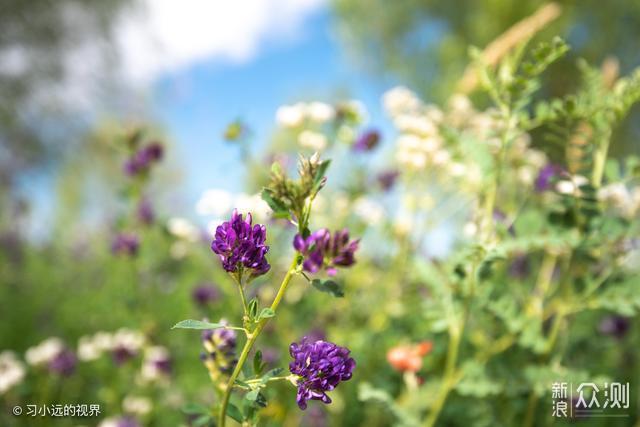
<point>145,212</point>
<point>546,176</point>
<point>321,366</point>
<point>616,326</point>
<point>367,141</point>
<point>205,294</point>
<point>127,422</point>
<point>64,363</point>
<point>125,243</point>
<point>220,346</point>
<point>387,179</point>
<point>121,354</point>
<point>238,244</point>
<point>142,159</point>
<point>321,249</point>
<point>519,267</point>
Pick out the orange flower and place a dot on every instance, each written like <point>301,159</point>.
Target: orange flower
<point>408,358</point>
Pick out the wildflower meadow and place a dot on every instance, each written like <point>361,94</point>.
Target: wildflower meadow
<point>472,262</point>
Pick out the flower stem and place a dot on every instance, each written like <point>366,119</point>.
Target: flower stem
<point>252,337</point>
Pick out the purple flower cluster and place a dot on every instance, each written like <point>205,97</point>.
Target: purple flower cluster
<point>239,244</point>
<point>142,159</point>
<point>320,249</point>
<point>205,294</point>
<point>64,363</point>
<point>220,346</point>
<point>125,243</point>
<point>367,141</point>
<point>321,366</point>
<point>615,326</point>
<point>546,177</point>
<point>145,212</point>
<point>387,179</point>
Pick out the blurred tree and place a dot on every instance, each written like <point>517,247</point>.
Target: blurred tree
<point>45,49</point>
<point>425,42</point>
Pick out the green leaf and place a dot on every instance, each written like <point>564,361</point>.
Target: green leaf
<point>258,366</point>
<point>266,313</point>
<point>197,324</point>
<point>234,412</point>
<point>202,420</point>
<point>270,374</point>
<point>276,206</point>
<point>321,171</point>
<point>328,286</point>
<point>253,308</point>
<point>252,396</point>
<point>192,408</point>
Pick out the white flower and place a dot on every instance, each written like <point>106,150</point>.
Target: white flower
<point>400,100</point>
<point>128,339</point>
<point>183,229</point>
<point>314,140</point>
<point>87,349</point>
<point>418,125</point>
<point>154,357</point>
<point>12,371</point>
<point>291,116</point>
<point>216,202</point>
<point>470,229</point>
<point>369,210</point>
<point>457,169</point>
<point>320,112</point>
<point>44,352</point>
<point>137,405</point>
<point>527,174</point>
<point>571,186</point>
<point>252,203</point>
<point>109,422</point>
<point>460,103</point>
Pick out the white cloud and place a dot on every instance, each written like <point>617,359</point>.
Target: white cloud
<point>164,36</point>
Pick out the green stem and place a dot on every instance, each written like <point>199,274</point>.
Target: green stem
<point>448,380</point>
<point>600,159</point>
<point>252,337</point>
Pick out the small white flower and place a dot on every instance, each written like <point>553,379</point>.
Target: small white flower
<point>252,203</point>
<point>320,112</point>
<point>369,210</point>
<point>291,116</point>
<point>12,371</point>
<point>418,125</point>
<point>183,229</point>
<point>44,352</point>
<point>216,202</point>
<point>470,229</point>
<point>129,339</point>
<point>400,100</point>
<point>314,140</point>
<point>457,169</point>
<point>88,350</point>
<point>137,405</point>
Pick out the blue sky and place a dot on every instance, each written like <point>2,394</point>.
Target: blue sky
<point>196,103</point>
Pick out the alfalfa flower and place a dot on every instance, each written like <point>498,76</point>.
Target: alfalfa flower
<point>142,159</point>
<point>408,358</point>
<point>64,363</point>
<point>241,245</point>
<point>367,141</point>
<point>322,250</point>
<point>125,243</point>
<point>320,367</point>
<point>220,350</point>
